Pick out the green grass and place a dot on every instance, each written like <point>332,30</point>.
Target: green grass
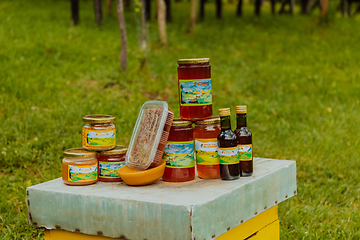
<point>300,80</point>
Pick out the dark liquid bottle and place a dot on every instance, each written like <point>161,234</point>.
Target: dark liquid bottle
<point>244,141</point>
<point>227,148</point>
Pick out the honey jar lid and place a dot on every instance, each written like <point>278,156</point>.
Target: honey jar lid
<point>212,120</point>
<point>78,153</point>
<point>119,149</point>
<point>98,118</point>
<point>241,109</point>
<point>193,60</point>
<point>224,112</point>
<point>181,122</point>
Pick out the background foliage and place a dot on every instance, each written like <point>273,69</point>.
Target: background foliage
<point>299,78</point>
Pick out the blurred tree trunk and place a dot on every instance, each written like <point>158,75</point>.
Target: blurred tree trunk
<point>257,7</point>
<point>324,7</point>
<point>121,18</point>
<point>147,10</point>
<point>303,6</point>
<point>161,17</point>
<point>98,11</point>
<point>343,8</point>
<point>219,9</point>
<point>273,4</point>
<point>239,8</point>
<point>168,11</point>
<point>75,11</point>
<point>127,3</point>
<point>143,25</point>
<point>202,9</point>
<point>309,5</point>
<point>193,15</point>
<point>291,6</point>
<point>108,6</point>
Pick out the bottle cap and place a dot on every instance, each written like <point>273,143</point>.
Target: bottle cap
<point>193,61</point>
<point>78,153</point>
<point>241,109</point>
<point>98,118</point>
<point>180,122</point>
<point>117,150</point>
<point>224,112</point>
<point>212,120</point>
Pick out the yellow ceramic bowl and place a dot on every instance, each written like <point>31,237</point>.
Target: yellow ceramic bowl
<point>133,176</point>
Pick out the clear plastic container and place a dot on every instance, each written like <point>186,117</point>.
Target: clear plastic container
<point>150,135</point>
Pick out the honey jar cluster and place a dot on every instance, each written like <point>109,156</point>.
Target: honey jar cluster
<point>99,158</point>
<point>201,139</point>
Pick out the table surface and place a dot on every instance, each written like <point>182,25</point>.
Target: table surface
<point>196,209</point>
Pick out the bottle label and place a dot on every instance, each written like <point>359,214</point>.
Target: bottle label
<point>245,152</point>
<point>94,137</point>
<point>195,92</point>
<point>206,151</point>
<point>179,154</point>
<point>82,174</point>
<point>228,155</point>
<point>109,169</point>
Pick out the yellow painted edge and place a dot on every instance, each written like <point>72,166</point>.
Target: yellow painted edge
<point>251,226</point>
<point>270,232</point>
<point>263,226</point>
<point>65,235</point>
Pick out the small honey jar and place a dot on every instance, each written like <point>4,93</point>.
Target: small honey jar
<point>98,132</point>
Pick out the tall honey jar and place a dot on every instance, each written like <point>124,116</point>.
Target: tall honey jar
<point>195,88</point>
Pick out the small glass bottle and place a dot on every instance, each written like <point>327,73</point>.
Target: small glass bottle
<point>244,141</point>
<point>110,162</point>
<point>195,88</point>
<point>227,148</point>
<point>98,132</point>
<point>179,152</point>
<point>79,167</point>
<point>205,134</point>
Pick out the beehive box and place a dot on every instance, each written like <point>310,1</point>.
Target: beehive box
<point>199,209</point>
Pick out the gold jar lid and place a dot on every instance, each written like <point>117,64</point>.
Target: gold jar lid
<point>180,122</point>
<point>193,60</point>
<point>78,153</point>
<point>241,109</point>
<point>117,150</point>
<point>212,120</point>
<point>224,112</point>
<point>98,118</point>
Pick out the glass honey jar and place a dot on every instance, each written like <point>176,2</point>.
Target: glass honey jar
<point>79,167</point>
<point>179,152</point>
<point>98,132</point>
<point>110,162</point>
<point>205,134</point>
<point>195,88</point>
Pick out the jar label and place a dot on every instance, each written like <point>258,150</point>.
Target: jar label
<point>206,151</point>
<point>109,169</point>
<point>228,155</point>
<point>82,173</point>
<point>195,92</point>
<point>94,137</point>
<point>245,152</point>
<point>179,154</point>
